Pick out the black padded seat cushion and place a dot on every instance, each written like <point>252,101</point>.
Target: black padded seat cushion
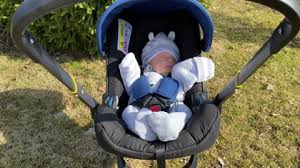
<point>200,134</point>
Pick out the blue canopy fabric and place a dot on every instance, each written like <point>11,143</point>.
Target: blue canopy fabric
<point>157,6</point>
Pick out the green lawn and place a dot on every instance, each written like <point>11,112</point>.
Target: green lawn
<point>43,125</point>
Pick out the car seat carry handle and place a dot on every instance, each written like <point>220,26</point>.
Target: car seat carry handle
<point>283,34</point>
<point>29,11</point>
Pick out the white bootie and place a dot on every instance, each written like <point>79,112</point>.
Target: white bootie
<point>136,121</point>
<point>167,126</point>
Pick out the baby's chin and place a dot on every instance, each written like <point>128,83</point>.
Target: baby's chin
<point>168,70</point>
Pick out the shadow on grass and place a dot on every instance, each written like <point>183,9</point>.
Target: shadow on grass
<point>60,57</point>
<point>35,132</point>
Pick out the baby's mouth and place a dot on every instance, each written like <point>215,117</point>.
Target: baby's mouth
<point>169,66</point>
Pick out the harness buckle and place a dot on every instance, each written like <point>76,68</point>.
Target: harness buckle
<point>155,108</point>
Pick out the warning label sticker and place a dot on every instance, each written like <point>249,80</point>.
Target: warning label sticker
<point>124,33</point>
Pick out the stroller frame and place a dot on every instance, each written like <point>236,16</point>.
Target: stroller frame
<point>30,10</point>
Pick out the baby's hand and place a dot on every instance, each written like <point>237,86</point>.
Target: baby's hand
<point>197,69</point>
<point>130,71</point>
<point>129,60</point>
<point>205,68</point>
<point>184,77</point>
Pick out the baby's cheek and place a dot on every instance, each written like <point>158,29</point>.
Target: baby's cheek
<point>161,68</point>
<point>158,69</point>
<point>165,70</point>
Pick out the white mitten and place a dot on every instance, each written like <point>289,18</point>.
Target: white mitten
<point>197,69</point>
<point>205,68</point>
<point>136,121</point>
<point>183,76</point>
<point>130,71</point>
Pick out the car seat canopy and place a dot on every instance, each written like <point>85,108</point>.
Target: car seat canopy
<point>156,7</point>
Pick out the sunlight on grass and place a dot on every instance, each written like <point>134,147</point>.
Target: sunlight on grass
<point>2,138</point>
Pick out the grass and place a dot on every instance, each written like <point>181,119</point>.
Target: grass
<point>43,125</point>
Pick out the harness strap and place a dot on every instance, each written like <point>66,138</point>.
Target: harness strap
<point>141,87</point>
<point>168,88</point>
<point>153,100</point>
<point>163,97</point>
<point>160,151</point>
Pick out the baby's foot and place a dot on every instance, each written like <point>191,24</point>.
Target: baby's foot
<point>167,126</point>
<point>136,121</point>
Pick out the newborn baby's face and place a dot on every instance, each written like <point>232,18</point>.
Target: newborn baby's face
<point>163,63</point>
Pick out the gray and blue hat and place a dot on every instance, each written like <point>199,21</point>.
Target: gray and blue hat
<point>157,44</point>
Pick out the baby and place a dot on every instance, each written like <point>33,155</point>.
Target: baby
<point>160,58</point>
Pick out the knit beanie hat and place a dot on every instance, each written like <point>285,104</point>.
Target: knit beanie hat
<point>157,44</point>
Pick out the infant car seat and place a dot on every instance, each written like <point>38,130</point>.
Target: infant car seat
<point>144,16</point>
<point>184,18</point>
